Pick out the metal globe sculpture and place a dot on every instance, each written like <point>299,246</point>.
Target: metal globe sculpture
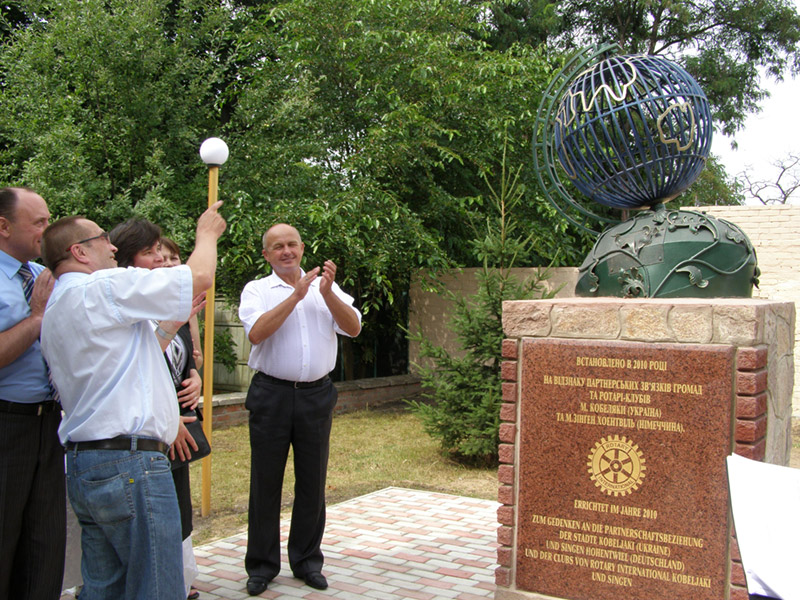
<point>632,132</point>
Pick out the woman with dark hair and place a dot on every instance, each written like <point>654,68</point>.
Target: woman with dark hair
<point>138,243</point>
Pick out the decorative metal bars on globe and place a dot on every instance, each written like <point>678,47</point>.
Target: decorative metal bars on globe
<point>633,131</point>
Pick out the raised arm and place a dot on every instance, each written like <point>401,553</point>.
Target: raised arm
<point>344,315</point>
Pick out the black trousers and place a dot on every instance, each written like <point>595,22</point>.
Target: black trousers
<point>32,507</point>
<point>184,492</point>
<point>281,416</point>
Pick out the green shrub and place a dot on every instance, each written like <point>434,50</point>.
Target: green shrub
<point>464,390</point>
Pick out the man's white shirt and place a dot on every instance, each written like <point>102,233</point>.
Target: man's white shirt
<point>104,357</point>
<point>304,346</point>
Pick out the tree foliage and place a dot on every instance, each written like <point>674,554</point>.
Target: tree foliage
<point>713,187</point>
<point>368,125</point>
<point>102,111</point>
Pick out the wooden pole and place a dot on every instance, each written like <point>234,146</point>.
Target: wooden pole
<point>208,363</point>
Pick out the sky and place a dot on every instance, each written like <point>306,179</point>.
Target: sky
<point>767,137</point>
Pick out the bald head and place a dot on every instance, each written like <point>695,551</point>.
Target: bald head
<point>278,229</point>
<point>23,219</point>
<point>283,250</point>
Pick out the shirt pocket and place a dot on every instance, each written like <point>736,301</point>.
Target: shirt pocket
<point>323,318</point>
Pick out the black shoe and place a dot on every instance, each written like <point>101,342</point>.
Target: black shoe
<point>256,585</point>
<point>316,580</point>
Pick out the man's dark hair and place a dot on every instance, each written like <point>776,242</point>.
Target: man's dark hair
<point>132,236</point>
<point>59,237</point>
<point>8,201</point>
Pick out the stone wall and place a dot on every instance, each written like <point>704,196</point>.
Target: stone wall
<point>226,319</point>
<point>430,312</point>
<point>775,234</point>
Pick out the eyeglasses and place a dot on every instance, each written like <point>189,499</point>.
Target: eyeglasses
<point>101,236</point>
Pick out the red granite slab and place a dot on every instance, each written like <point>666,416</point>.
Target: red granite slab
<point>622,486</point>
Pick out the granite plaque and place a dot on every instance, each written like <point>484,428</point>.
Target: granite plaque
<point>622,485</point>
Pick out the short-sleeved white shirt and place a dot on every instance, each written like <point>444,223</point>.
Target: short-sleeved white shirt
<point>304,346</point>
<point>104,357</point>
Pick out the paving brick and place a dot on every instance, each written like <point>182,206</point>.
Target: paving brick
<point>391,544</point>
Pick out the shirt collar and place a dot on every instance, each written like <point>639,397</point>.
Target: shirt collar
<point>70,276</point>
<point>8,264</point>
<point>275,281</point>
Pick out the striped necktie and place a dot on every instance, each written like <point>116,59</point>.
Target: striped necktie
<point>27,288</point>
<point>27,281</point>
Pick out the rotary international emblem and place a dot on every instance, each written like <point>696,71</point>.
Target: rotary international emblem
<point>616,465</point>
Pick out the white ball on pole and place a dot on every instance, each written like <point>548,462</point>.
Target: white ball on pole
<point>214,152</point>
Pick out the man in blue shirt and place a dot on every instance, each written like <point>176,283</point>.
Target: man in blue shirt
<point>32,497</point>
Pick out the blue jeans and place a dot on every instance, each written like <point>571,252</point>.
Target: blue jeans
<point>131,528</point>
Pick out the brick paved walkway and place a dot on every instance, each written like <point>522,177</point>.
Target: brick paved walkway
<point>393,544</point>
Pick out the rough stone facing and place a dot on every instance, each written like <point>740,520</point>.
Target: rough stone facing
<point>749,324</point>
<point>691,324</point>
<point>645,323</point>
<point>585,321</point>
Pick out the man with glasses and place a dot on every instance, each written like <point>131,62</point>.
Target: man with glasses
<point>120,407</point>
<point>32,499</point>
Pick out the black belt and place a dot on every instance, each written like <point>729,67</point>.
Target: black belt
<point>295,384</point>
<point>121,442</point>
<point>34,408</point>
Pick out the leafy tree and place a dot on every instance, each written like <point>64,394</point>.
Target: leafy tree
<point>397,94</point>
<point>712,188</point>
<point>11,16</point>
<point>466,390</point>
<point>368,125</point>
<point>369,129</point>
<point>103,111</point>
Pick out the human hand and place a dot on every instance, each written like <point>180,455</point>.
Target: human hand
<point>328,276</point>
<point>198,304</point>
<point>184,443</point>
<point>211,222</point>
<point>42,288</point>
<point>301,287</point>
<point>189,396</point>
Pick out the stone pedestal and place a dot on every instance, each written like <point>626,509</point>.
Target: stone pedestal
<point>617,418</point>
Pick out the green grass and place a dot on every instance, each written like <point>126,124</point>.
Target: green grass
<point>370,450</point>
